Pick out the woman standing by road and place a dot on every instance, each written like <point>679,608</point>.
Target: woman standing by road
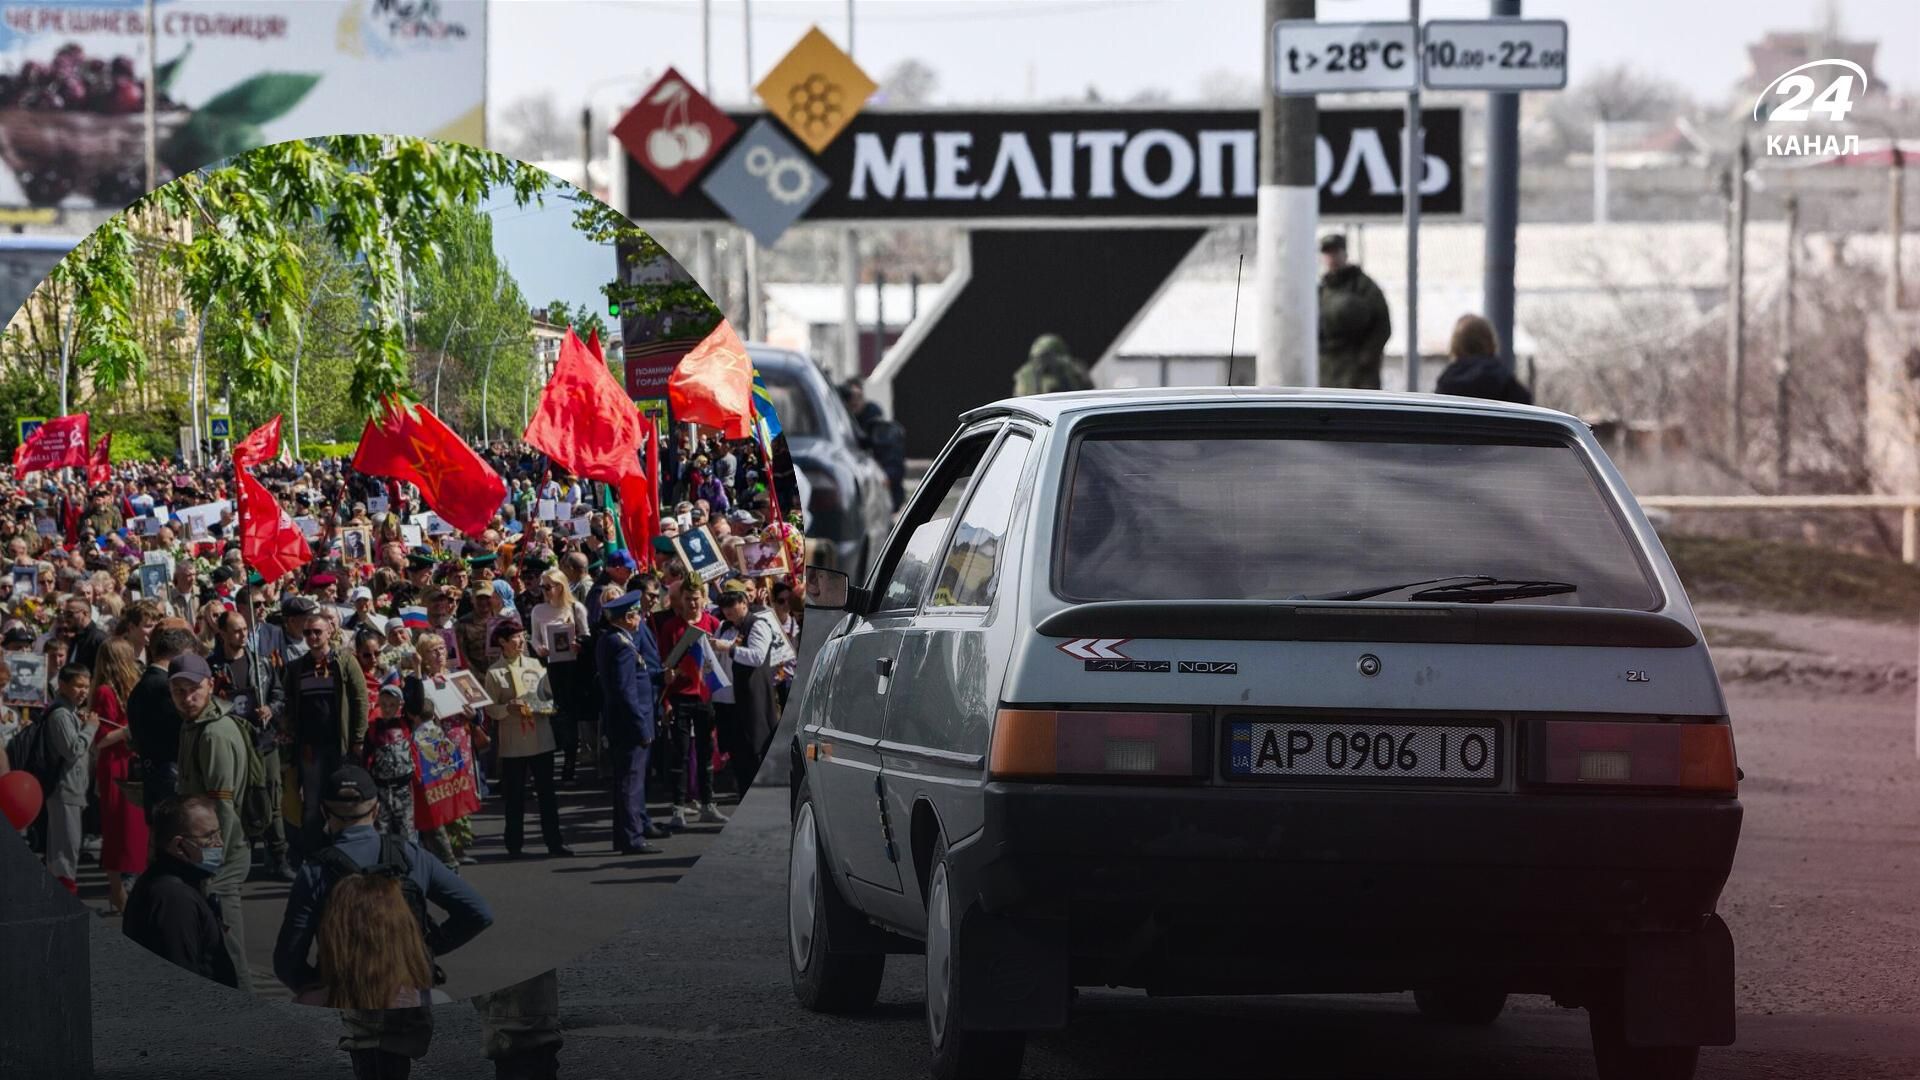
<point>559,627</point>
<point>123,823</point>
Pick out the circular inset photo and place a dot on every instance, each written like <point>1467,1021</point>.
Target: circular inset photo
<point>401,572</point>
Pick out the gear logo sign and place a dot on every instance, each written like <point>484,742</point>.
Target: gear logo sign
<point>765,183</point>
<point>816,90</point>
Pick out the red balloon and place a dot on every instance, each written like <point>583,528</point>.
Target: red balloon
<point>20,798</point>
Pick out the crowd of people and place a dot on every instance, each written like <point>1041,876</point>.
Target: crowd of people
<point>193,725</point>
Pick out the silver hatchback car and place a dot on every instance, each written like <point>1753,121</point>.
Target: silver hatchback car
<point>1235,691</point>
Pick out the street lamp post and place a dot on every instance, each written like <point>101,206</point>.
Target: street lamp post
<point>441,369</point>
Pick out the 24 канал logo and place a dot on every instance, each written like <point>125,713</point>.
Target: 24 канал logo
<point>1797,97</point>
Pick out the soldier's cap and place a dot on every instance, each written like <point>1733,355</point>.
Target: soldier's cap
<point>1333,242</point>
<point>620,558</point>
<point>482,560</point>
<point>622,603</point>
<point>320,581</point>
<point>348,784</point>
<point>17,634</point>
<point>733,585</point>
<point>299,605</point>
<point>418,561</point>
<point>190,667</point>
<point>1048,345</point>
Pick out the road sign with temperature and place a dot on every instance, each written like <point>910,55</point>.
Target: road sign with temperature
<point>1496,54</point>
<point>1312,57</point>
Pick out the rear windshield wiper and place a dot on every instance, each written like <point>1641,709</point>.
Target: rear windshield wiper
<point>1469,588</point>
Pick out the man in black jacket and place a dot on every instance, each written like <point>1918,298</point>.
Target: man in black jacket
<point>153,721</point>
<point>168,913</point>
<point>83,637</point>
<point>251,687</point>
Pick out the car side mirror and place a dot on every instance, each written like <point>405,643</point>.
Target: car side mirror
<point>832,590</point>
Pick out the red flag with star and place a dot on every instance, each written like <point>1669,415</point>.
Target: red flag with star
<point>270,542</point>
<point>713,384</point>
<point>57,444</point>
<point>408,442</point>
<point>99,466</point>
<point>263,444</point>
<point>586,422</point>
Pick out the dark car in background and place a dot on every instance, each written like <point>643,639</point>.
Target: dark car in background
<point>850,512</point>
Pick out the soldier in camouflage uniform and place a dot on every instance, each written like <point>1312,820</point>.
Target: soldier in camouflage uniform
<point>1354,322</point>
<point>520,1026</point>
<point>1049,369</point>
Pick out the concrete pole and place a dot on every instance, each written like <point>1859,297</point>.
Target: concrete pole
<point>849,303</point>
<point>1503,203</point>
<point>1600,171</point>
<point>1783,365</point>
<point>586,150</point>
<point>1285,286</point>
<point>1414,157</point>
<point>879,318</point>
<point>1896,221</point>
<point>152,88</point>
<point>1737,301</point>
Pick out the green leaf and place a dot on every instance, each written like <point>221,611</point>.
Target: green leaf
<point>163,74</point>
<point>262,98</point>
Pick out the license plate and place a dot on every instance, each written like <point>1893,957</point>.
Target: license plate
<point>1363,751</point>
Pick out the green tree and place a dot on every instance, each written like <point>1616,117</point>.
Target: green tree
<point>467,302</point>
<point>652,287</point>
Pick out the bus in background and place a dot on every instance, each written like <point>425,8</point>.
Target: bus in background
<point>24,261</point>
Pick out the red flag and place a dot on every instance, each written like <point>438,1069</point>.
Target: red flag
<point>99,468</point>
<point>59,443</point>
<point>652,520</point>
<point>586,422</point>
<point>713,384</point>
<point>263,444</point>
<point>269,540</point>
<point>635,491</point>
<point>593,346</point>
<point>408,442</point>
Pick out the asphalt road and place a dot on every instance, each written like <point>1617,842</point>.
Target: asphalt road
<point>1824,904</point>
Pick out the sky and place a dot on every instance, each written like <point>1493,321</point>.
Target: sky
<point>987,51</point>
<point>548,259</point>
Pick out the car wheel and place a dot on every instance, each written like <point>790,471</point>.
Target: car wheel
<point>1471,1006</point>
<point>829,976</point>
<point>1614,1059</point>
<point>958,1054</point>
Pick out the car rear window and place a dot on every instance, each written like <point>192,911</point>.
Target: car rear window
<point>792,405</point>
<point>1251,515</point>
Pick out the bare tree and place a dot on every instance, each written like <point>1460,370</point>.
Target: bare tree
<point>1227,86</point>
<point>907,83</point>
<point>532,129</point>
<point>1615,94</point>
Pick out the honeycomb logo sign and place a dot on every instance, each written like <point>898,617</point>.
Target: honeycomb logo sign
<point>816,90</point>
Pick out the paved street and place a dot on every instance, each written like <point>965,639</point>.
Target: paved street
<point>1824,904</point>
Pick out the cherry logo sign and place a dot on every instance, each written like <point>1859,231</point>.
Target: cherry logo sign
<point>673,131</point>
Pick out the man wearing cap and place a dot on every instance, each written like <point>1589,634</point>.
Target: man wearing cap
<point>363,617</point>
<point>294,613</point>
<point>1050,368</point>
<point>213,764</point>
<point>619,570</point>
<point>629,672</point>
<point>420,569</point>
<point>326,709</point>
<point>384,1042</point>
<point>1354,321</point>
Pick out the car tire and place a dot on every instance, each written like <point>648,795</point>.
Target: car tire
<point>958,1054</point>
<point>1469,1006</point>
<point>830,974</point>
<point>1615,1059</point>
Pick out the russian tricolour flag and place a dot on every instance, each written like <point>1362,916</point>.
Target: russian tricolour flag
<point>415,618</point>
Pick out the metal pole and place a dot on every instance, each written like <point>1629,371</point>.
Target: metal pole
<point>706,47</point>
<point>586,148</point>
<point>1737,301</point>
<point>1783,366</point>
<point>440,370</point>
<point>486,383</point>
<point>1503,203</point>
<point>755,316</point>
<point>849,29</point>
<point>849,303</point>
<point>1287,207</point>
<point>913,296</point>
<point>153,123</point>
<point>1410,167</point>
<point>746,34</point>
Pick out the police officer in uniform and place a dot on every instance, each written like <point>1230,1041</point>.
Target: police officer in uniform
<point>631,677</point>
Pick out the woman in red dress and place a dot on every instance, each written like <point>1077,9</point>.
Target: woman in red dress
<point>123,825</point>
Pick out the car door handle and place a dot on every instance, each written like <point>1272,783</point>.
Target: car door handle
<point>883,667</point>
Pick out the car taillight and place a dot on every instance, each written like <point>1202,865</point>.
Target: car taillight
<point>1032,744</point>
<point>1640,756</point>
